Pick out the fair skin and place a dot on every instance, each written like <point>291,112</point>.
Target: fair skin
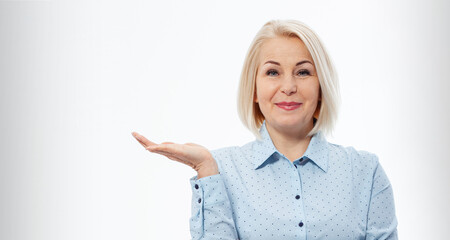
<point>191,154</point>
<point>286,73</point>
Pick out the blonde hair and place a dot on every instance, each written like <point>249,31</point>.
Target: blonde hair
<point>249,111</point>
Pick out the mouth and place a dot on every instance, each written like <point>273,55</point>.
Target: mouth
<point>288,105</point>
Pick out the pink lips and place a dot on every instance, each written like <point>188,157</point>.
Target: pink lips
<point>288,105</point>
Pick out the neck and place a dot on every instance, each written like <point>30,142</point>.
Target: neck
<point>290,143</point>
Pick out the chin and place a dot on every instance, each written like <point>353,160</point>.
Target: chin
<point>289,122</point>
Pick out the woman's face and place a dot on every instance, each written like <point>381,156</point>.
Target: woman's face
<point>287,86</point>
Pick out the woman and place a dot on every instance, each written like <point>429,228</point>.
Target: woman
<point>290,183</point>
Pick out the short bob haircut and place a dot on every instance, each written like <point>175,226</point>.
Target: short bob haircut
<point>249,111</point>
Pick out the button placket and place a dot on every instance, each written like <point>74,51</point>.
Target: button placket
<point>298,164</point>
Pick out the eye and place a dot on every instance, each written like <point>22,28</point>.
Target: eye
<point>271,71</point>
<point>303,73</point>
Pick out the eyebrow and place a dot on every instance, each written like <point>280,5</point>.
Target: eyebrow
<point>299,63</point>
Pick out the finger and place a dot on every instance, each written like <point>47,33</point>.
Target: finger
<point>174,158</point>
<point>137,137</point>
<point>166,154</point>
<point>192,144</point>
<point>174,149</point>
<point>142,140</point>
<point>151,149</point>
<point>167,143</point>
<point>170,155</point>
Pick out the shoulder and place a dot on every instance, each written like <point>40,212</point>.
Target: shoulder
<point>224,153</point>
<point>358,158</point>
<point>232,156</point>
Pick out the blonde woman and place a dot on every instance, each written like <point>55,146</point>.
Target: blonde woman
<point>290,182</point>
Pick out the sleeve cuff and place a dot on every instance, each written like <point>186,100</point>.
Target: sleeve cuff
<point>208,190</point>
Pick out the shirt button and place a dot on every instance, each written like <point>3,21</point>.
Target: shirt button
<point>196,186</point>
<point>297,197</point>
<point>199,200</point>
<point>300,224</point>
<point>301,159</point>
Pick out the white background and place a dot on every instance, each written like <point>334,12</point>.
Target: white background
<point>78,77</point>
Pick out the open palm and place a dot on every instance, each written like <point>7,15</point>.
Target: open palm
<point>191,154</point>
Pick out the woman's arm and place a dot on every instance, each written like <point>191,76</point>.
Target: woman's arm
<point>211,216</point>
<point>211,210</point>
<point>381,219</point>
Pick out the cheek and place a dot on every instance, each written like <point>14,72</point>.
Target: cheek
<point>265,91</point>
<point>314,91</point>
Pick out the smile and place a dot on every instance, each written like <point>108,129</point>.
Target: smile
<point>289,107</point>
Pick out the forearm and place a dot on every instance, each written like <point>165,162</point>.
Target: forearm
<point>212,216</point>
<point>381,218</point>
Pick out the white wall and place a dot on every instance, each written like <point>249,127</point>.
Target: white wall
<point>78,77</point>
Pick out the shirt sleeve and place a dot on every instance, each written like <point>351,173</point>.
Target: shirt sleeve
<point>381,219</point>
<point>211,216</point>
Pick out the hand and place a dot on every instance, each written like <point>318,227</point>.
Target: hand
<point>191,154</point>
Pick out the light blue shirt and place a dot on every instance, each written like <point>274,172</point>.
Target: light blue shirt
<point>331,192</point>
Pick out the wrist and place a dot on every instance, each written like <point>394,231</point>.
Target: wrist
<point>208,169</point>
<point>206,174</point>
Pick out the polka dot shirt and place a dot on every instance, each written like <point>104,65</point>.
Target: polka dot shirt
<point>331,192</point>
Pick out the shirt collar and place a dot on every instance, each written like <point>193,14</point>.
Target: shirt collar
<point>317,150</point>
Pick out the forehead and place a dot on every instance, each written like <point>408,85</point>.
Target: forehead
<point>284,49</point>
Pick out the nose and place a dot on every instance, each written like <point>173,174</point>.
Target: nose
<point>288,86</point>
